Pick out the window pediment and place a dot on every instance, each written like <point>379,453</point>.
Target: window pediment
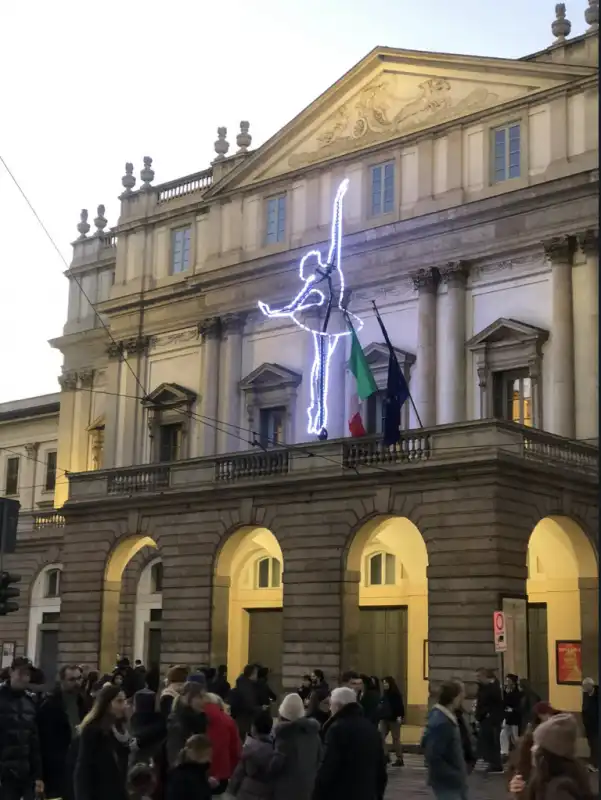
<point>270,376</point>
<point>169,395</point>
<point>504,332</point>
<point>377,355</point>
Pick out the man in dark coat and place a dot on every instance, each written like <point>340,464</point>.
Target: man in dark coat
<point>354,764</point>
<point>243,700</point>
<point>490,712</point>
<point>20,762</point>
<point>590,718</point>
<point>58,717</point>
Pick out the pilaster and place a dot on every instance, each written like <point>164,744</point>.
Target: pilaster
<point>452,369</point>
<point>131,427</point>
<point>68,384</point>
<point>425,283</point>
<point>558,251</point>
<point>210,330</point>
<point>230,405</point>
<point>587,393</point>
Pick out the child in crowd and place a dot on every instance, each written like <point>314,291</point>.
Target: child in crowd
<point>250,780</point>
<point>141,782</point>
<point>190,778</point>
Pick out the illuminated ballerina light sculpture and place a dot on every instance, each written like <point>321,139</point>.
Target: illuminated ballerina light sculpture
<point>314,272</point>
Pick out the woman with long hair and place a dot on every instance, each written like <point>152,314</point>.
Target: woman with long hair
<point>520,760</point>
<point>556,772</point>
<point>103,749</point>
<point>390,715</point>
<point>187,719</point>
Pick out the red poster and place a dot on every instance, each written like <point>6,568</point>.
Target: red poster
<point>569,662</point>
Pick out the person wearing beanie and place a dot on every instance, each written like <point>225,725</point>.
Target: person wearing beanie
<point>557,774</point>
<point>520,762</point>
<point>297,751</point>
<point>148,728</point>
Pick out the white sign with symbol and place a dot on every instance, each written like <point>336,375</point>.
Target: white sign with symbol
<point>500,632</point>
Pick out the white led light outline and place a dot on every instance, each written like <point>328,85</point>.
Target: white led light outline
<point>320,370</point>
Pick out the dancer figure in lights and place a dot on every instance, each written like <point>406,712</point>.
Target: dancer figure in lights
<point>314,272</point>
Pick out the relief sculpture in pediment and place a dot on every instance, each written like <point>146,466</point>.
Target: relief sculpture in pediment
<point>379,113</point>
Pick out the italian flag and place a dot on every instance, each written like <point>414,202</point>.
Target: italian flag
<point>365,384</point>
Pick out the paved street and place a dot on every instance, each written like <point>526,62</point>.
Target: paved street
<point>409,783</point>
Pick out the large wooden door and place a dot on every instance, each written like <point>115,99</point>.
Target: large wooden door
<point>265,642</point>
<point>383,643</point>
<point>538,649</point>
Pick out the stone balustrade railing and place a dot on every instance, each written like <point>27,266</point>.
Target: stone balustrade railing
<point>198,182</point>
<point>452,445</point>
<point>48,519</point>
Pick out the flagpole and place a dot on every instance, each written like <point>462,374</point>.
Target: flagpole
<point>393,354</point>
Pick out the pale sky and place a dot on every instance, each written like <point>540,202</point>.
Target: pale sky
<point>87,87</point>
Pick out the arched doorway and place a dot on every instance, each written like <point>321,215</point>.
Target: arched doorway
<point>149,614</point>
<point>44,613</point>
<point>125,550</point>
<point>563,617</point>
<point>247,622</point>
<point>385,615</point>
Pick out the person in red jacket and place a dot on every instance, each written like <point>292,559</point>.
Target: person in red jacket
<point>225,739</point>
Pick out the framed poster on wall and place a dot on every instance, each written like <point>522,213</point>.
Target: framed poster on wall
<point>568,662</point>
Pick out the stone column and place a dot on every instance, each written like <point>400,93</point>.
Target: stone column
<point>29,475</point>
<point>131,429</point>
<point>230,434</point>
<point>559,252</point>
<point>68,384</point>
<point>452,369</point>
<point>210,330</point>
<point>83,413</point>
<point>587,420</point>
<point>426,283</point>
<point>111,413</point>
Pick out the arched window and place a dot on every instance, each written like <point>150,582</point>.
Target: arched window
<point>52,583</point>
<point>381,570</point>
<point>156,578</point>
<point>269,573</point>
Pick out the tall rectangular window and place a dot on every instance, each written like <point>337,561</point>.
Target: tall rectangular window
<point>50,481</point>
<point>272,421</point>
<point>12,476</point>
<point>276,219</point>
<point>382,189</point>
<point>506,155</point>
<point>170,440</point>
<point>180,250</point>
<point>512,397</point>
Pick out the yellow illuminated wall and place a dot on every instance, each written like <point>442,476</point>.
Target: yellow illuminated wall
<point>401,538</point>
<point>238,562</point>
<point>559,557</point>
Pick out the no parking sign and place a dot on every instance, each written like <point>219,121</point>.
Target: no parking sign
<point>498,621</point>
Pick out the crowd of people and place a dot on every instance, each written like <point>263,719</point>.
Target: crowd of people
<point>128,735</point>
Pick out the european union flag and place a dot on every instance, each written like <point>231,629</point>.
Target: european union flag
<point>397,393</point>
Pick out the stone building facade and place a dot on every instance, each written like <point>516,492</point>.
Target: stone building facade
<point>471,218</point>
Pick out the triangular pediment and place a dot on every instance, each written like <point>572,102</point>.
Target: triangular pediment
<point>169,394</point>
<point>389,94</point>
<point>507,330</point>
<point>270,375</point>
<point>377,356</point>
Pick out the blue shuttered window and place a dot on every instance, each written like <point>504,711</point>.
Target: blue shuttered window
<point>506,153</point>
<point>180,250</point>
<point>382,189</point>
<point>276,219</point>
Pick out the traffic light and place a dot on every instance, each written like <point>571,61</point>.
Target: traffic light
<point>9,593</point>
<point>9,519</point>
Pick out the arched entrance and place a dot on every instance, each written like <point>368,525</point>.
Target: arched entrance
<point>149,614</point>
<point>563,617</point>
<point>385,614</point>
<point>44,613</point>
<point>111,596</point>
<point>247,615</point>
